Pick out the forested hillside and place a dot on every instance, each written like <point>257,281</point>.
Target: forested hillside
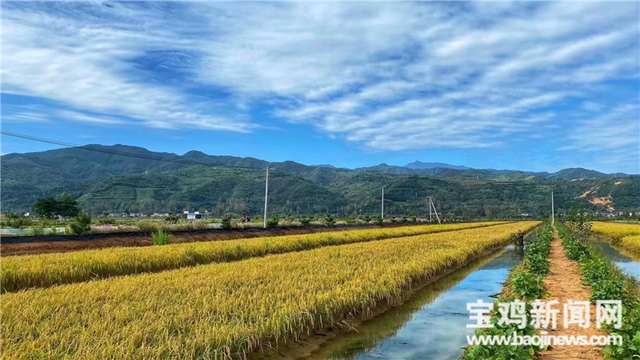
<point>104,181</point>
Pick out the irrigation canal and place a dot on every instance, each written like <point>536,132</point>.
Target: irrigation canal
<point>432,323</point>
<point>626,261</point>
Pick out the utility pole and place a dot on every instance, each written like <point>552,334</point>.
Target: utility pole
<point>382,212</point>
<point>266,197</point>
<point>431,204</point>
<point>553,211</point>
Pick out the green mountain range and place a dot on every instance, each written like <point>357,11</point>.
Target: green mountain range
<point>124,178</point>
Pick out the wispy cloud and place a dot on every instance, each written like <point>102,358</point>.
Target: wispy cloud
<point>406,76</point>
<point>384,76</point>
<point>613,137</point>
<point>26,117</point>
<point>86,61</point>
<point>77,116</point>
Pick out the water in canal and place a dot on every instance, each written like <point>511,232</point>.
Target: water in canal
<point>432,323</point>
<point>628,262</point>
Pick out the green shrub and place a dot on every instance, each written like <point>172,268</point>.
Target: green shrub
<point>172,219</point>
<point>36,231</point>
<point>304,220</point>
<point>106,221</point>
<point>273,222</point>
<point>538,264</point>
<point>329,220</point>
<point>630,346</point>
<point>148,226</point>
<point>80,224</point>
<point>537,252</point>
<point>17,222</point>
<point>607,290</point>
<point>226,222</point>
<point>595,270</point>
<point>527,284</point>
<point>160,237</point>
<point>379,220</point>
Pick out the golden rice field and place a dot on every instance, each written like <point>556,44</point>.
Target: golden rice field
<point>628,235</point>
<point>20,272</point>
<point>616,230</point>
<point>228,309</point>
<point>631,243</point>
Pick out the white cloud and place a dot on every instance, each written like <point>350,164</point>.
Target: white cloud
<point>388,76</point>
<point>405,76</point>
<point>613,137</point>
<point>77,116</point>
<point>26,117</point>
<point>89,67</point>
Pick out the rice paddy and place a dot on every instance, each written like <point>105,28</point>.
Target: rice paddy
<point>616,230</point>
<point>230,309</point>
<point>628,235</point>
<point>632,243</point>
<point>50,269</point>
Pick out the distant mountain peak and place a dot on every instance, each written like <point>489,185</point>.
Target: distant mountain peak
<point>430,165</point>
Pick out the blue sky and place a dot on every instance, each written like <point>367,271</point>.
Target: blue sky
<point>533,86</point>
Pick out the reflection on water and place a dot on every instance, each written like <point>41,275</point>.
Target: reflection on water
<point>628,262</point>
<point>432,323</point>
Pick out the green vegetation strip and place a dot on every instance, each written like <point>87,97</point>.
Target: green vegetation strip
<point>45,270</point>
<point>608,283</point>
<point>524,283</point>
<point>230,309</point>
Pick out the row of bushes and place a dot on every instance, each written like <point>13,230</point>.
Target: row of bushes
<point>110,225</point>
<point>524,283</point>
<point>527,281</point>
<point>608,283</point>
<point>81,224</point>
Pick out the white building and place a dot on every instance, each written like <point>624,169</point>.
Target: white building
<point>192,215</point>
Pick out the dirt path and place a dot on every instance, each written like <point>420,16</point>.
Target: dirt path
<point>563,284</point>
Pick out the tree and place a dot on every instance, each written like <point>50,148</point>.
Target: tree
<point>67,207</point>
<point>46,207</point>
<point>80,224</point>
<point>62,205</point>
<point>580,221</point>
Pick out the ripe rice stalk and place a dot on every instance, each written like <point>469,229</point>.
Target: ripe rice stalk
<point>631,243</point>
<point>616,231</point>
<point>229,309</point>
<point>53,269</point>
